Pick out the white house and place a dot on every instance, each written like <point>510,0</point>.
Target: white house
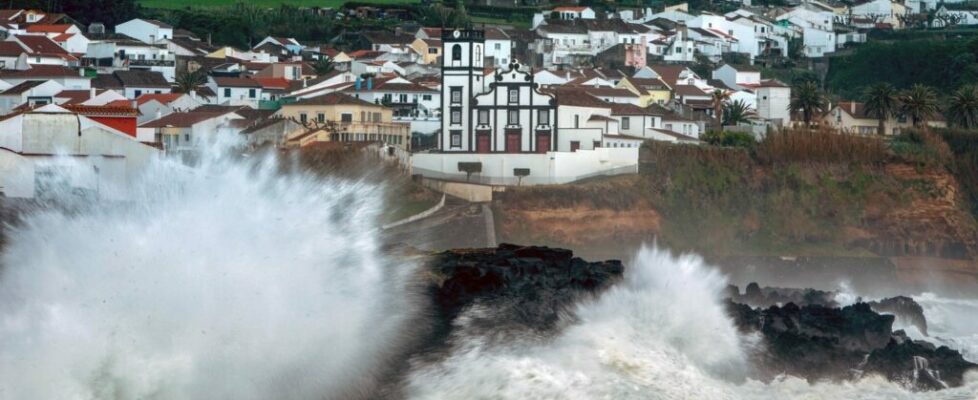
<point>68,36</point>
<point>572,12</point>
<point>818,43</point>
<point>736,76</point>
<point>773,98</point>
<point>67,77</point>
<point>125,54</point>
<point>499,46</point>
<point>30,93</point>
<point>51,150</point>
<point>146,30</point>
<point>236,91</point>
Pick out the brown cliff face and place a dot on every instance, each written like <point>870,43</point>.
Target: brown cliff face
<point>730,206</point>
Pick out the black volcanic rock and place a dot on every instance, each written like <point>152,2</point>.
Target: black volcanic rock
<point>814,341</point>
<point>917,364</point>
<point>527,285</point>
<point>757,296</point>
<point>905,308</point>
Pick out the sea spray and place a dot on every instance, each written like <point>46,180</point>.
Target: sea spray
<point>661,333</point>
<point>226,280</point>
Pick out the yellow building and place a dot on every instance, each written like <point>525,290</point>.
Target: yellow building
<point>648,90</point>
<point>337,117</point>
<point>429,49</point>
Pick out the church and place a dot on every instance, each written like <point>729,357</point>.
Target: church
<point>505,115</point>
<point>498,128</point>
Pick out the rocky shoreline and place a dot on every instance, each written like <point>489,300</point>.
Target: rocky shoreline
<point>805,333</point>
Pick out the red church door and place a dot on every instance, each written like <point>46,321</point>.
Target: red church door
<point>513,142</point>
<point>543,143</point>
<point>482,143</point>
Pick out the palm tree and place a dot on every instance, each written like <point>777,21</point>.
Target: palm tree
<point>324,65</point>
<point>882,102</point>
<point>919,103</point>
<point>720,97</point>
<point>962,107</point>
<point>737,112</point>
<point>190,81</point>
<point>807,98</point>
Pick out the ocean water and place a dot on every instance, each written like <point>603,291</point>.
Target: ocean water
<point>228,280</point>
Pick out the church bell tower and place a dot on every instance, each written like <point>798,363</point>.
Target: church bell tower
<point>461,79</point>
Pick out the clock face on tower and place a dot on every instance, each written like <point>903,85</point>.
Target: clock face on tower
<point>456,33</point>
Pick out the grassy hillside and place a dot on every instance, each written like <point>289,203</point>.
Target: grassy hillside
<point>804,194</point>
<point>260,3</point>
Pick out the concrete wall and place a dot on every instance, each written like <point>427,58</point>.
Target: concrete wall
<point>16,175</point>
<point>475,193</point>
<point>549,168</point>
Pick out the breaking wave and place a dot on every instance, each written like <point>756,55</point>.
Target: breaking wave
<point>228,280</point>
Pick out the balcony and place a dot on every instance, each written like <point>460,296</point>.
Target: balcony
<point>152,63</point>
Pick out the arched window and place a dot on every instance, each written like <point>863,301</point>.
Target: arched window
<point>457,52</point>
<point>478,55</point>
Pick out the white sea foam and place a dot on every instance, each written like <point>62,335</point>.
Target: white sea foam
<point>222,281</point>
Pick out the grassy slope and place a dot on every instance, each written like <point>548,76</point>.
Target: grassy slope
<point>265,3</point>
<point>723,202</point>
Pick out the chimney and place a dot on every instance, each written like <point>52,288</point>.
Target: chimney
<point>134,104</point>
<point>193,94</point>
<point>852,107</point>
<point>208,39</point>
<point>91,93</point>
<point>305,83</point>
<point>159,113</point>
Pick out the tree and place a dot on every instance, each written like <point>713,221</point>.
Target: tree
<point>324,65</point>
<point>719,98</point>
<point>962,107</point>
<point>807,98</point>
<point>882,101</point>
<point>737,112</point>
<point>190,81</point>
<point>919,103</point>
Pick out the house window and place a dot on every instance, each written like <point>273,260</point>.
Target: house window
<point>499,46</point>
<point>543,116</point>
<point>432,50</point>
<point>513,117</point>
<point>625,123</point>
<point>456,95</point>
<point>478,54</point>
<point>457,52</point>
<point>514,96</point>
<point>346,117</point>
<point>227,92</point>
<point>303,118</point>
<point>186,137</point>
<point>321,117</point>
<point>252,93</point>
<point>456,118</point>
<point>426,97</point>
<point>577,121</point>
<point>483,117</point>
<point>456,138</point>
<point>137,93</point>
<point>376,117</point>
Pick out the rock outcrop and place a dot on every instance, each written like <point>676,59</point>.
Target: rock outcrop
<point>904,308</point>
<point>830,343</point>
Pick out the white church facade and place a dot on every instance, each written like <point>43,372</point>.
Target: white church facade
<point>505,131</point>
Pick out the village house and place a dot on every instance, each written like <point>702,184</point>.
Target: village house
<point>344,118</point>
<point>41,50</point>
<point>236,91</point>
<point>109,55</point>
<point>67,77</point>
<point>851,117</point>
<point>29,93</point>
<point>51,149</point>
<point>648,90</point>
<point>154,106</point>
<point>148,31</point>
<point>68,36</point>
<point>428,49</point>
<point>182,133</point>
<point>133,83</point>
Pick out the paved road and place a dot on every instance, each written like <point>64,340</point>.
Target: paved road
<point>459,224</point>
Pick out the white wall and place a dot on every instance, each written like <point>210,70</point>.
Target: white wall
<point>16,175</point>
<point>548,168</point>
